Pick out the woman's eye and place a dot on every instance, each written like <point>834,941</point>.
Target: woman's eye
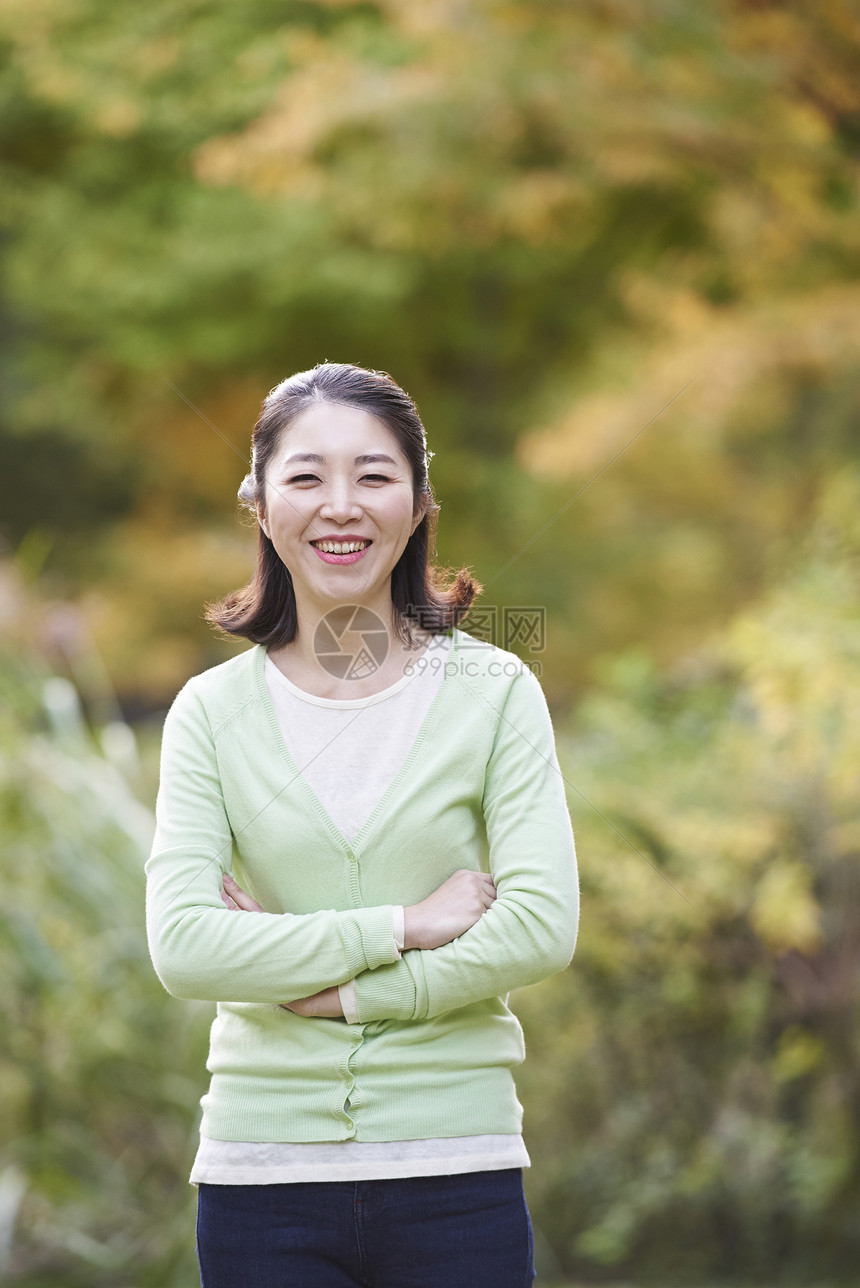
<point>313,478</point>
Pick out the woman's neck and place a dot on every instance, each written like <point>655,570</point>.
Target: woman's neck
<point>348,651</point>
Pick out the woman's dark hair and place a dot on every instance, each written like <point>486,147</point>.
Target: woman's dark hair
<point>264,610</point>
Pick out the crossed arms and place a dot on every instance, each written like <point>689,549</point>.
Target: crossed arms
<point>526,910</point>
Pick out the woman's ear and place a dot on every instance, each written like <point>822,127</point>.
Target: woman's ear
<point>420,511</point>
<point>261,519</point>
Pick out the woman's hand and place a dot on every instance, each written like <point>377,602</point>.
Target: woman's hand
<point>235,898</point>
<point>449,911</point>
<point>325,1004</point>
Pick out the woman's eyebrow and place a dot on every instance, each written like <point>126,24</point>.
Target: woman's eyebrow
<point>367,459</point>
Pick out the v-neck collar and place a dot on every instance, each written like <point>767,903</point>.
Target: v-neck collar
<point>352,847</point>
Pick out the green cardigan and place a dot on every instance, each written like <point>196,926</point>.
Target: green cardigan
<point>433,1051</point>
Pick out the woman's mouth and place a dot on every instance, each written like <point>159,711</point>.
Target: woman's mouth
<point>341,552</point>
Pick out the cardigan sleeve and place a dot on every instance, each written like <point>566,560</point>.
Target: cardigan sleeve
<point>199,948</point>
<point>530,931</point>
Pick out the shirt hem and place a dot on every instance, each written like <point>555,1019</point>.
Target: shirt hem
<point>380,1171</point>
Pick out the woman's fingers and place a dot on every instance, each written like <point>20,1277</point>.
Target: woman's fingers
<point>450,910</point>
<point>239,900</point>
<point>487,890</point>
<point>323,1005</point>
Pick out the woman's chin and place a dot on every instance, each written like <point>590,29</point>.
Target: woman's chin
<point>329,594</point>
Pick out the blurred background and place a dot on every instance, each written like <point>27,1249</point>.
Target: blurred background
<point>613,251</point>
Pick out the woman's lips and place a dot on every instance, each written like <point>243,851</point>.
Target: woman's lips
<point>341,559</point>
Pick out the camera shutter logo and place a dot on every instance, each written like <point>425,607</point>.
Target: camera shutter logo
<point>351,642</point>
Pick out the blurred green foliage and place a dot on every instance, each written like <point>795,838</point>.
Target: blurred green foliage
<point>546,220</point>
<point>692,1085</point>
<point>612,249</point>
<point>100,1071</point>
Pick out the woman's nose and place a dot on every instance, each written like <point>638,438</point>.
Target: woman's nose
<point>340,502</point>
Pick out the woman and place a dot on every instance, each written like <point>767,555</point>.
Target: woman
<point>387,789</point>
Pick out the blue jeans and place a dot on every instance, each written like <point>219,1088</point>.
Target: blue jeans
<point>469,1231</point>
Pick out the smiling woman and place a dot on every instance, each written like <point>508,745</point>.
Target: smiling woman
<point>387,794</point>
<point>341,421</point>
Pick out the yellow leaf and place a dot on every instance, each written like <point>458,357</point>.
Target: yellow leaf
<point>784,911</point>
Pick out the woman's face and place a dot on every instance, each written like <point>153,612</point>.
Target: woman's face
<point>338,475</point>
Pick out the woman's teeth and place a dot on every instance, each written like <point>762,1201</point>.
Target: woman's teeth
<point>339,547</point>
